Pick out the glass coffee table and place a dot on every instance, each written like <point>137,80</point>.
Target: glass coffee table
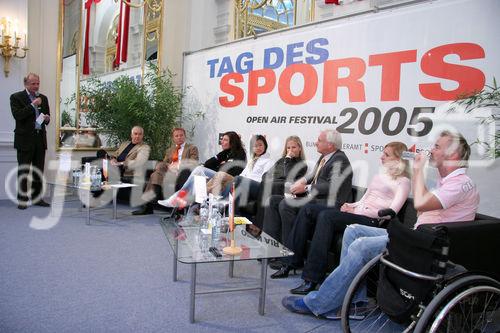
<point>84,193</point>
<point>191,246</point>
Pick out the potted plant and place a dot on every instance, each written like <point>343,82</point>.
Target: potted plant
<point>114,107</point>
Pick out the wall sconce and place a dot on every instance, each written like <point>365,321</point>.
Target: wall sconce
<point>10,42</point>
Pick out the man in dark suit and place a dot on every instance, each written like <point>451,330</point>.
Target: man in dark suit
<point>329,184</point>
<point>31,113</point>
<point>180,158</point>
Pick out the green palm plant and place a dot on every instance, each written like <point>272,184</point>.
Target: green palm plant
<point>114,107</point>
<point>488,97</point>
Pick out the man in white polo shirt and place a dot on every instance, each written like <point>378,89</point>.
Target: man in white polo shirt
<point>455,199</point>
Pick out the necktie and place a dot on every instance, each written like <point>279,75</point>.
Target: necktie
<point>321,163</point>
<point>175,154</point>
<point>37,111</point>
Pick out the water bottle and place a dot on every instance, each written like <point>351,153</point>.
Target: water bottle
<point>74,181</point>
<point>408,155</point>
<point>203,242</point>
<point>216,221</point>
<point>95,179</point>
<point>204,214</point>
<point>98,178</point>
<point>86,174</point>
<point>77,175</point>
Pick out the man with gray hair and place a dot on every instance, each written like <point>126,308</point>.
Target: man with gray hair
<point>32,113</point>
<point>329,184</point>
<point>131,156</point>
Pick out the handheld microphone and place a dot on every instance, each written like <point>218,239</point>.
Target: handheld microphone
<point>37,94</point>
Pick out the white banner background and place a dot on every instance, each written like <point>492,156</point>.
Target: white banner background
<point>459,28</point>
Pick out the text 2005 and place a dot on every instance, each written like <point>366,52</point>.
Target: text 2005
<point>392,122</point>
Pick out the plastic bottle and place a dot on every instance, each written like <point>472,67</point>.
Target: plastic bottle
<point>93,179</point>
<point>216,221</point>
<point>98,179</point>
<point>86,174</point>
<point>74,180</point>
<point>204,214</point>
<point>204,243</point>
<point>78,177</point>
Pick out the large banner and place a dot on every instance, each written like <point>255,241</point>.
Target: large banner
<point>377,77</point>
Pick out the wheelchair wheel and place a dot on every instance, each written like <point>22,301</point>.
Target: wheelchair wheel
<point>365,316</point>
<point>469,304</point>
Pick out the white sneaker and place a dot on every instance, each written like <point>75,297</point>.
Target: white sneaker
<point>167,202</point>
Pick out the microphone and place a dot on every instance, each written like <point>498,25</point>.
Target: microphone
<point>37,94</point>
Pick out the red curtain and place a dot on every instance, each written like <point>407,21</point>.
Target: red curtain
<point>121,39</point>
<point>122,35</point>
<point>86,65</point>
<point>126,23</point>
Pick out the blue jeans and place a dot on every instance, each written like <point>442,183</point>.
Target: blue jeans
<point>360,244</point>
<point>198,171</point>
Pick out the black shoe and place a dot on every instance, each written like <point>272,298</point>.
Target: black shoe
<point>145,210</point>
<point>283,272</point>
<point>305,288</point>
<point>22,206</point>
<point>276,264</point>
<point>41,203</point>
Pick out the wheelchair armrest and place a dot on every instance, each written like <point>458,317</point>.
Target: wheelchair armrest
<point>404,271</point>
<point>387,213</point>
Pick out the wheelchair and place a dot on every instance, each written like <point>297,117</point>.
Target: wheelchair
<point>414,287</point>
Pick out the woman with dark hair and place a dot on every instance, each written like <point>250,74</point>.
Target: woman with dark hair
<point>247,184</point>
<point>231,160</point>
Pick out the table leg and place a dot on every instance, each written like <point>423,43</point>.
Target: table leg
<point>88,206</point>
<point>52,191</point>
<point>263,281</point>
<point>174,267</point>
<point>115,193</point>
<point>193,293</point>
<point>231,269</point>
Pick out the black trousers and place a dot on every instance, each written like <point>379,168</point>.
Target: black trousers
<point>279,217</point>
<point>320,224</point>
<point>31,161</point>
<point>247,190</point>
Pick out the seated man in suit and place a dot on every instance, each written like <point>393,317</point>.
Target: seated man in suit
<point>179,159</point>
<point>329,184</point>
<point>131,157</point>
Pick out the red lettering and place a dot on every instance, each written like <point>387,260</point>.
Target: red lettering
<point>310,84</point>
<point>469,79</point>
<point>254,89</point>
<point>331,80</point>
<point>391,71</point>
<point>235,91</point>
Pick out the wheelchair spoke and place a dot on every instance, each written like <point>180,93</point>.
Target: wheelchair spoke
<point>474,310</point>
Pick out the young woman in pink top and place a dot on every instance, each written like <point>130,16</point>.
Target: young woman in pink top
<point>387,190</point>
